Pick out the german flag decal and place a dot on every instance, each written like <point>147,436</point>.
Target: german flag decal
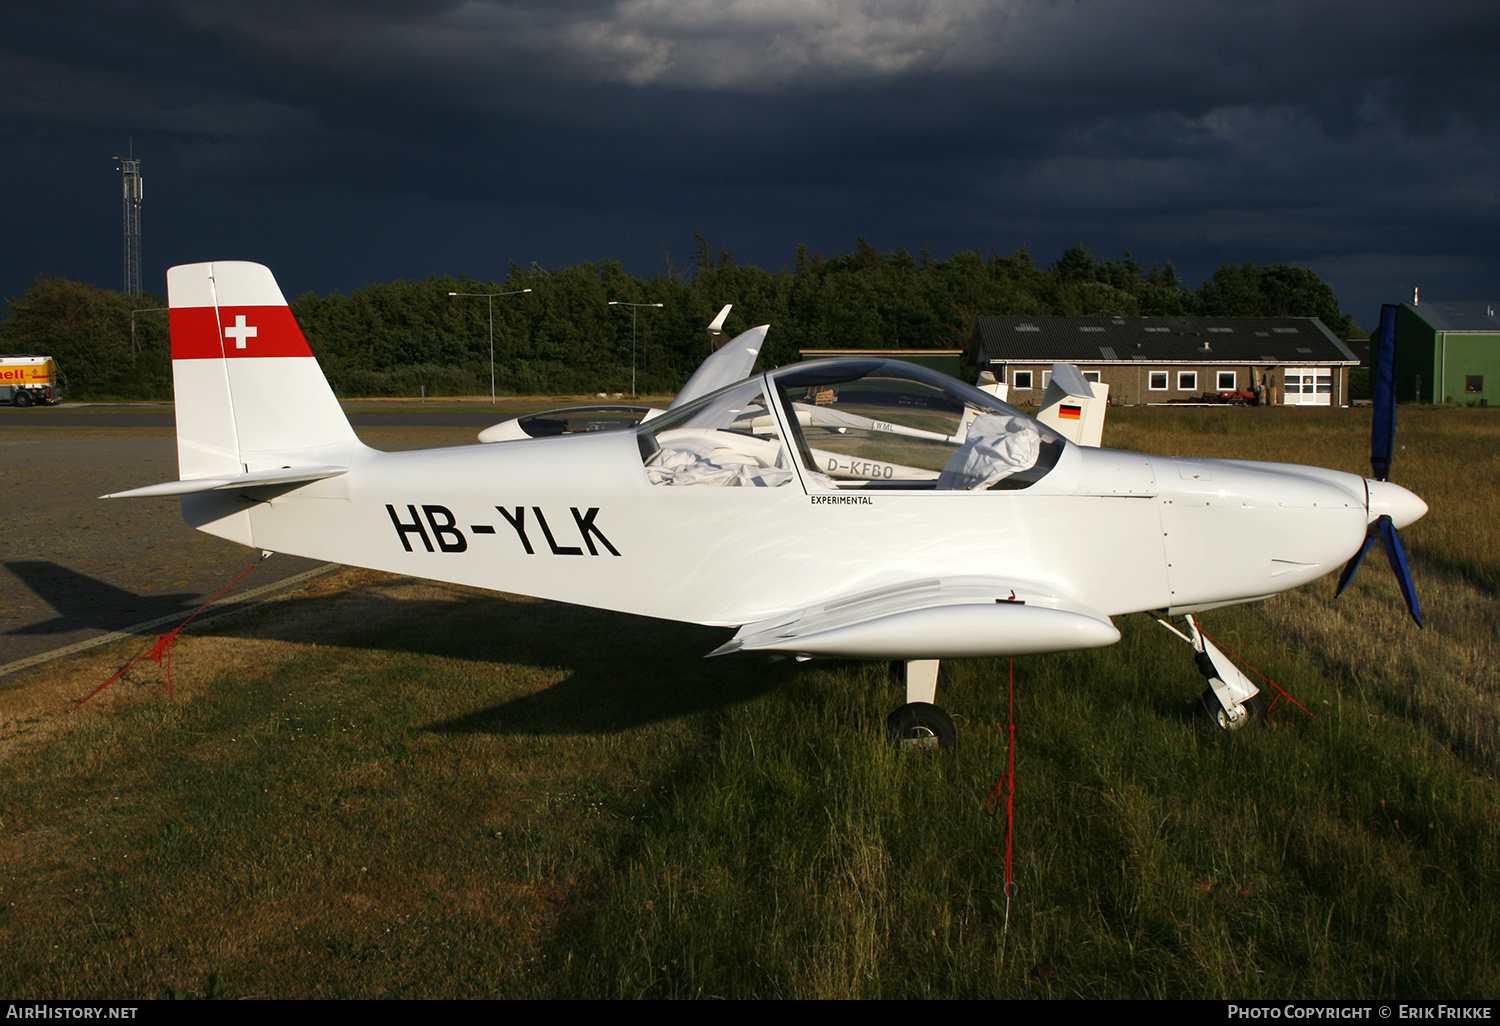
<point>1070,412</point>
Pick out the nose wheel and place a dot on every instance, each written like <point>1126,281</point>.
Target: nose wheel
<point>1253,710</point>
<point>1231,701</point>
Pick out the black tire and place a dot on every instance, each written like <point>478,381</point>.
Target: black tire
<point>921,725</point>
<point>21,398</point>
<point>1210,711</point>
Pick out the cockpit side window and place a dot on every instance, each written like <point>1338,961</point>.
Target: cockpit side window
<point>890,425</point>
<point>727,439</point>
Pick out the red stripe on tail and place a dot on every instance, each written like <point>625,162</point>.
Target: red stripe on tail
<point>235,332</point>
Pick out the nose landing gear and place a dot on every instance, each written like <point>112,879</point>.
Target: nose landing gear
<point>1231,701</point>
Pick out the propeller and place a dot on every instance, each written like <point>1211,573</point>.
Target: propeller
<point>1391,506</point>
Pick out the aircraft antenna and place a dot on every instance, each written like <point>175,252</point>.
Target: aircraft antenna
<point>130,171</point>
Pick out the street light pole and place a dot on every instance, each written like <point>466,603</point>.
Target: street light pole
<point>633,308</point>
<point>489,298</point>
<point>149,309</point>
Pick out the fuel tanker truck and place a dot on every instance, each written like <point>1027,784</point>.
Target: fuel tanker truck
<point>29,380</point>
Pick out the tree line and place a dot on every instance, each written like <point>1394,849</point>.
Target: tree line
<point>562,338</point>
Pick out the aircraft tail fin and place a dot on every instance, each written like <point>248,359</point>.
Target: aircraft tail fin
<point>249,393</point>
<point>1074,407</point>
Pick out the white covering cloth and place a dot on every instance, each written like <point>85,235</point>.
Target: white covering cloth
<point>700,460</point>
<point>998,445</point>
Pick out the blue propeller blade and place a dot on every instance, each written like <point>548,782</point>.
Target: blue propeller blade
<point>1397,556</point>
<point>1353,565</point>
<point>1382,444</point>
<point>1383,394</point>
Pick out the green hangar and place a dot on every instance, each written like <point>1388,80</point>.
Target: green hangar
<point>1447,352</point>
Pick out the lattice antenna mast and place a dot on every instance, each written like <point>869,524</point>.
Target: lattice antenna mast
<point>130,170</point>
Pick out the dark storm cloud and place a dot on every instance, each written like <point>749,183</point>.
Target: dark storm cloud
<point>406,137</point>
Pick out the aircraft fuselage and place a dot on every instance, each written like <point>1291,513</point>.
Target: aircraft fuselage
<point>1113,531</point>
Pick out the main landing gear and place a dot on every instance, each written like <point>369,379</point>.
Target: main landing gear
<point>1231,701</point>
<point>919,723</point>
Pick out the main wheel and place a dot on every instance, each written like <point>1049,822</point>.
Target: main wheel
<point>1212,711</point>
<point>21,398</point>
<point>921,725</point>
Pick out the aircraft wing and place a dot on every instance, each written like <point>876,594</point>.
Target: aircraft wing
<point>822,416</point>
<point>733,362</point>
<point>254,479</point>
<point>931,619</point>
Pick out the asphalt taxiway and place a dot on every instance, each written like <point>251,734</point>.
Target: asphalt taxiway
<point>74,567</point>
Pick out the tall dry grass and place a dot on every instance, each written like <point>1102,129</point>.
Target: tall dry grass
<point>1445,677</point>
<point>401,789</point>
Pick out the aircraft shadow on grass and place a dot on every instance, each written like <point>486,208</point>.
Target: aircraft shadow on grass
<point>82,602</point>
<point>620,670</point>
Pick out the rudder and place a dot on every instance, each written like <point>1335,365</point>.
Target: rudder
<point>249,393</point>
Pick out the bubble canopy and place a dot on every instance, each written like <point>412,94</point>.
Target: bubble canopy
<point>850,424</point>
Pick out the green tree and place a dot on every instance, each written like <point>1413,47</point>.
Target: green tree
<point>563,338</point>
<point>1246,290</point>
<point>86,329</point>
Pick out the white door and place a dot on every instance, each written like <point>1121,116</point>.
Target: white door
<point>1309,386</point>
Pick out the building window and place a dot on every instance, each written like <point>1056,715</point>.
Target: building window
<point>1158,381</point>
<point>1187,381</point>
<point>1293,383</point>
<point>1227,381</point>
<point>1020,379</point>
<point>1091,376</point>
<point>1046,379</point>
<point>1473,382</point>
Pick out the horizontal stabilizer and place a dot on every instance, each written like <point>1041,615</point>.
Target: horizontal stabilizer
<point>716,335</point>
<point>254,479</point>
<point>1071,380</point>
<point>931,620</point>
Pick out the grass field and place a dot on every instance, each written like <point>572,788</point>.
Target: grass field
<point>384,787</point>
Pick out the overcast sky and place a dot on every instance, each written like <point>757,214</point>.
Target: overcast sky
<point>346,142</point>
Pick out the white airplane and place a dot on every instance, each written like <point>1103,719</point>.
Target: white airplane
<point>856,507</point>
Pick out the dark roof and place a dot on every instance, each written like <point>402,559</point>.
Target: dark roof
<point>1458,316</point>
<point>1360,347</point>
<point>1093,340</point>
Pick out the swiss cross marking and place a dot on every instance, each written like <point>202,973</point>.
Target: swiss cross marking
<point>240,331</point>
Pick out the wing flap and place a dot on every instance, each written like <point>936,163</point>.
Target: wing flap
<point>254,479</point>
<point>931,619</point>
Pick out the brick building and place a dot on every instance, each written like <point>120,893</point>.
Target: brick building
<point>1293,361</point>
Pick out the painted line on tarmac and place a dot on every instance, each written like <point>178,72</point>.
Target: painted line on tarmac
<point>135,630</point>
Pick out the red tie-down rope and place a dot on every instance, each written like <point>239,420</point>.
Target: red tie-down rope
<point>162,650</point>
<point>1282,698</point>
<point>1008,781</point>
